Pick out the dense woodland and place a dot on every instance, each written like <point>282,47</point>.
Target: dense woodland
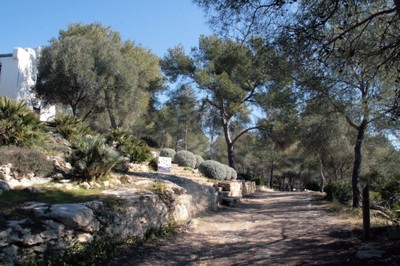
<point>292,94</point>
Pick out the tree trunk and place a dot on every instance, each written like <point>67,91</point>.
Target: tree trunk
<point>228,140</point>
<point>322,176</point>
<point>231,155</point>
<point>355,180</point>
<point>272,175</point>
<point>112,118</point>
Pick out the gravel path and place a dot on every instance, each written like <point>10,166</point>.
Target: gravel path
<point>268,228</point>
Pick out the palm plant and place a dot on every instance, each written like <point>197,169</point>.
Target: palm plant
<point>70,127</point>
<point>18,125</point>
<point>135,149</point>
<point>92,158</point>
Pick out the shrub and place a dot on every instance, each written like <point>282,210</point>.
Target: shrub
<point>185,158</point>
<point>135,149</point>
<point>70,127</point>
<point>233,173</point>
<point>340,190</point>
<point>312,185</point>
<point>391,192</point>
<point>227,172</point>
<point>150,142</point>
<point>166,152</point>
<point>19,125</point>
<point>199,160</point>
<point>92,158</point>
<point>212,169</point>
<point>26,160</point>
<point>259,181</point>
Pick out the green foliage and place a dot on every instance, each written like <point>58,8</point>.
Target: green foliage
<point>232,76</point>
<point>166,152</point>
<point>90,69</point>
<point>70,127</point>
<point>153,164</point>
<point>391,192</point>
<point>259,181</point>
<point>98,252</point>
<point>213,169</point>
<point>19,125</point>
<point>185,158</point>
<point>159,188</point>
<point>135,149</point>
<point>25,160</point>
<point>199,160</point>
<point>92,158</point>
<point>339,190</point>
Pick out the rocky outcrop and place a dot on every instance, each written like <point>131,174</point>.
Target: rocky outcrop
<point>130,207</point>
<point>125,212</point>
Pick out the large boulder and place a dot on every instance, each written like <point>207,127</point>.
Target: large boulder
<point>74,215</point>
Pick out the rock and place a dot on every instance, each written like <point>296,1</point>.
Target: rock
<point>11,253</point>
<point>85,185</point>
<point>192,224</point>
<point>4,237</point>
<point>30,240</point>
<point>30,205</point>
<point>369,253</point>
<point>13,183</point>
<point>116,182</point>
<point>68,166</point>
<point>4,186</point>
<point>50,234</point>
<point>58,176</point>
<point>74,215</point>
<point>84,238</point>
<point>15,223</point>
<point>128,179</point>
<point>94,205</point>
<point>106,183</point>
<point>52,225</point>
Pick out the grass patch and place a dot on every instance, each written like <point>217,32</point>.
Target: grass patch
<point>158,188</point>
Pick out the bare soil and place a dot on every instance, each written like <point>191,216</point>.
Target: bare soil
<point>268,228</point>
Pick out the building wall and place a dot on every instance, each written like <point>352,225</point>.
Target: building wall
<point>18,75</point>
<point>9,76</point>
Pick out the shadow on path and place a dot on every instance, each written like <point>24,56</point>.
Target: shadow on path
<point>269,228</point>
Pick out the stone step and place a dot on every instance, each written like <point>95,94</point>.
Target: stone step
<point>229,201</point>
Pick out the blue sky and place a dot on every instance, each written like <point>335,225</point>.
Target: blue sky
<point>155,24</point>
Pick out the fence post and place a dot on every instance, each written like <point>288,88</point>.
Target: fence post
<point>366,215</point>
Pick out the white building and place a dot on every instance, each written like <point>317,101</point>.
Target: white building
<point>18,73</point>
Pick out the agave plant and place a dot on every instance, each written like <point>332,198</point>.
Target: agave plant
<point>19,125</point>
<point>92,158</point>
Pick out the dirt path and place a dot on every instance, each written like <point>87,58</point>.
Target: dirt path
<point>270,228</point>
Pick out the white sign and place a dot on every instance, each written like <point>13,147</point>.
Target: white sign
<point>164,164</point>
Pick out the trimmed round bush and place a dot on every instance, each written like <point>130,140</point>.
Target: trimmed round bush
<point>212,169</point>
<point>199,160</point>
<point>166,152</point>
<point>233,173</point>
<point>185,158</point>
<point>227,172</point>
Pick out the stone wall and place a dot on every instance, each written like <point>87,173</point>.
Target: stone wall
<point>128,209</point>
<point>123,213</point>
<point>237,188</point>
